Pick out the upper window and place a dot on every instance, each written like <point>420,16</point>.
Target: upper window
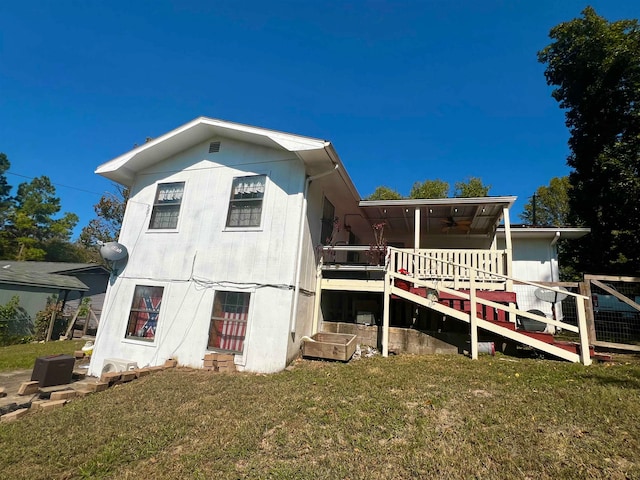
<point>145,309</point>
<point>245,207</point>
<point>228,325</point>
<point>166,205</point>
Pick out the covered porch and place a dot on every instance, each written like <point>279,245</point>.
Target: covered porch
<point>445,232</point>
<point>439,256</point>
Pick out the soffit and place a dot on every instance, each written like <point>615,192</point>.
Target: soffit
<point>446,216</point>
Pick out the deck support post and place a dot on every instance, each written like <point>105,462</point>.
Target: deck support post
<point>473,319</point>
<point>316,301</point>
<point>385,314</point>
<point>416,230</point>
<point>509,254</point>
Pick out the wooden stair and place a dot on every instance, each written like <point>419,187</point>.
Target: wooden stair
<point>499,317</point>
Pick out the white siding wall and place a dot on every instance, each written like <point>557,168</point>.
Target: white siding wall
<point>535,260</point>
<point>203,249</point>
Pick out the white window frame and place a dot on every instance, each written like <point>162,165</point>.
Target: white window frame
<point>241,355</point>
<point>232,201</point>
<point>141,340</point>
<point>157,206</point>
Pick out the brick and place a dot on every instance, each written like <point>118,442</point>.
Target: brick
<point>36,404</point>
<point>94,386</point>
<point>28,388</point>
<point>209,363</point>
<point>78,354</point>
<point>142,372</point>
<point>63,395</point>
<point>83,392</point>
<point>101,386</point>
<point>225,357</point>
<point>128,376</point>
<point>110,377</point>
<point>226,367</point>
<point>210,356</point>
<point>51,404</point>
<point>3,392</point>
<point>171,363</point>
<point>16,414</point>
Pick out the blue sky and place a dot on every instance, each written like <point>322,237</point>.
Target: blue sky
<point>406,91</point>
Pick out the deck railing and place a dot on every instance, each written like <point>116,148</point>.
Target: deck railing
<point>433,264</point>
<point>450,264</point>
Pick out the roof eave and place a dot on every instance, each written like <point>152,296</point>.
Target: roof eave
<point>122,169</point>
<point>416,202</point>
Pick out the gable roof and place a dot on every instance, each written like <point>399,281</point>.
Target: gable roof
<point>55,275</point>
<point>317,155</point>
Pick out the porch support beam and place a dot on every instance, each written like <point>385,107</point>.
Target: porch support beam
<point>316,302</point>
<point>509,257</point>
<point>385,314</point>
<point>416,230</point>
<point>473,314</point>
<point>508,248</point>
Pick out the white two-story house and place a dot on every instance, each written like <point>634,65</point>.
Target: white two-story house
<point>225,228</point>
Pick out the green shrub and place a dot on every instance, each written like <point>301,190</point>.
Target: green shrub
<point>15,323</point>
<point>43,318</point>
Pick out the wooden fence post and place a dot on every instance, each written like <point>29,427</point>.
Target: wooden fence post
<point>585,289</point>
<point>54,314</point>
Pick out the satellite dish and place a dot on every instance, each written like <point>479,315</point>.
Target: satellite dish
<point>551,296</point>
<point>113,251</point>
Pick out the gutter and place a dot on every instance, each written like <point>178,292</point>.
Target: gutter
<point>303,213</point>
<point>552,245</point>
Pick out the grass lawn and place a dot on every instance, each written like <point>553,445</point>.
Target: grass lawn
<point>18,357</point>
<point>396,418</point>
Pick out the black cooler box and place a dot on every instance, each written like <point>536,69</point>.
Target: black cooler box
<point>53,370</point>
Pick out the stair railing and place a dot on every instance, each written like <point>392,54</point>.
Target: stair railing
<point>401,265</point>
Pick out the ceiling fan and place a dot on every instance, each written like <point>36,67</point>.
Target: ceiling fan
<point>452,224</point>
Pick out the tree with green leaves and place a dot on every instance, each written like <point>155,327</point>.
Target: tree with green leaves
<point>5,189</point>
<point>594,66</point>
<point>549,205</point>
<point>430,189</point>
<point>473,187</point>
<point>6,202</point>
<point>32,223</point>
<point>110,213</point>
<point>384,193</point>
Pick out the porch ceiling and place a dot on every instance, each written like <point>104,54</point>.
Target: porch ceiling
<point>442,216</point>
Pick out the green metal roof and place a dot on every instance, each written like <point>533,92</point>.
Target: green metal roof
<point>45,274</point>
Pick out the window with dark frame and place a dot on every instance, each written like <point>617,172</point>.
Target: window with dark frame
<point>166,206</point>
<point>228,325</point>
<point>328,222</point>
<point>245,206</point>
<point>144,314</point>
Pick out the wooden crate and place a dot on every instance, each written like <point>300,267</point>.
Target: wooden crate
<point>330,346</point>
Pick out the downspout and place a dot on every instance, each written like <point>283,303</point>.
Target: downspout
<point>555,239</point>
<point>303,213</point>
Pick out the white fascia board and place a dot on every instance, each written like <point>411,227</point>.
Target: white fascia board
<point>545,232</point>
<point>415,202</point>
<point>123,168</point>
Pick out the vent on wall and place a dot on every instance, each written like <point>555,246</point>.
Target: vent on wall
<point>214,147</point>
